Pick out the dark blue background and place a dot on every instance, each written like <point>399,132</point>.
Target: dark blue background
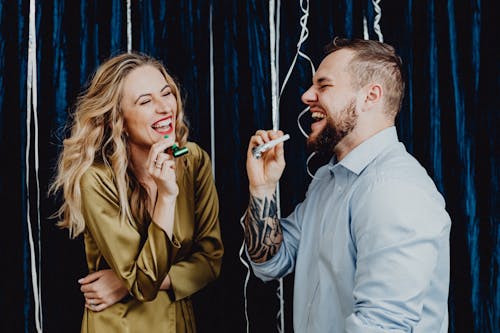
<point>449,121</point>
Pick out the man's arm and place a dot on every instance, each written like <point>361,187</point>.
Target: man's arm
<point>263,233</point>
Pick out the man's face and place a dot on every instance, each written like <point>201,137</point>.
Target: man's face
<point>332,101</point>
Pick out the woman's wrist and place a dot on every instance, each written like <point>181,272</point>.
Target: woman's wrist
<point>167,199</point>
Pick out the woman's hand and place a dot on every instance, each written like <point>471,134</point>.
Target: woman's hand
<point>102,289</point>
<point>161,166</point>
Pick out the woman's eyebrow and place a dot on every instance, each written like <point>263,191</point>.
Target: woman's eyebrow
<point>143,95</point>
<point>148,94</point>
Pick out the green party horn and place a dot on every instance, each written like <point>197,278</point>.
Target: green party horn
<point>176,151</point>
<point>179,151</point>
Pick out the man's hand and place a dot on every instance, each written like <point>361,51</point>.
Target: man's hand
<point>102,289</point>
<point>265,172</point>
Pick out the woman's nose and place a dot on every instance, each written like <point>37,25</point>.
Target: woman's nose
<point>161,106</point>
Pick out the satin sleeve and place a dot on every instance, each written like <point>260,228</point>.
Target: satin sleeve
<point>203,264</point>
<point>141,262</point>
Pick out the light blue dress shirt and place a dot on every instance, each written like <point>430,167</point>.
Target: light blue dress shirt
<point>369,246</point>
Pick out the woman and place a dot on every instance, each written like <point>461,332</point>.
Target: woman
<point>149,220</point>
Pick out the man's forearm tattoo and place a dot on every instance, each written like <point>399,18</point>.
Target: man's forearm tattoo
<point>263,233</point>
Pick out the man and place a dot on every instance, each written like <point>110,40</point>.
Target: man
<point>369,244</point>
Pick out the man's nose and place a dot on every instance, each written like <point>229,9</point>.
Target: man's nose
<point>309,96</point>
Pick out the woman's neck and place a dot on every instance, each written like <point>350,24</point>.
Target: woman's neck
<point>139,163</point>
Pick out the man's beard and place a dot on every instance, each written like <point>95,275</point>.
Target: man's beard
<point>334,132</point>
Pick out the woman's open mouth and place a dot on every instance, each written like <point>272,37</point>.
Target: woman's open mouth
<point>163,126</point>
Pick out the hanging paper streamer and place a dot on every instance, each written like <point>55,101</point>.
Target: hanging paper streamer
<point>31,105</point>
<point>247,277</point>
<point>129,27</point>
<point>376,23</point>
<point>304,33</point>
<point>365,28</point>
<point>274,28</point>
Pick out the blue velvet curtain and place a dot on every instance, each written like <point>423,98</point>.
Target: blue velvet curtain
<point>449,122</point>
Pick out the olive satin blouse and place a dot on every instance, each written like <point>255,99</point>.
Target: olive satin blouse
<point>142,256</point>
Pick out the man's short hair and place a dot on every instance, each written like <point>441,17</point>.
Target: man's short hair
<point>374,62</point>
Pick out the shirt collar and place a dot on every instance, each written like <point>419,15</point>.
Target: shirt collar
<point>366,152</point>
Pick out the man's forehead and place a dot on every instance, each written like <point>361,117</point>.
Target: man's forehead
<point>338,58</point>
<point>333,65</point>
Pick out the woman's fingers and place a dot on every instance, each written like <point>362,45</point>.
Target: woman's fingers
<point>164,160</point>
<point>90,277</point>
<point>90,295</point>
<point>157,149</point>
<point>95,305</point>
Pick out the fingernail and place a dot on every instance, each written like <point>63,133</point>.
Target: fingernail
<point>166,136</point>
<point>80,280</point>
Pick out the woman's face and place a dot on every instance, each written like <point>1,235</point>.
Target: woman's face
<point>149,107</point>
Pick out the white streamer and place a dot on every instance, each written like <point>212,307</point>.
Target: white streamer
<point>365,28</point>
<point>272,54</point>
<point>304,33</point>
<point>31,105</point>
<point>306,135</point>
<point>376,23</point>
<point>247,277</point>
<point>274,29</point>
<point>129,27</point>
<point>275,40</point>
<point>298,121</point>
<point>274,21</point>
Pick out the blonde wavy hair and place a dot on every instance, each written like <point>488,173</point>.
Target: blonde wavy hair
<point>97,135</point>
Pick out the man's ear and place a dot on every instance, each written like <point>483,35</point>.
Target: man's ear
<point>373,95</point>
